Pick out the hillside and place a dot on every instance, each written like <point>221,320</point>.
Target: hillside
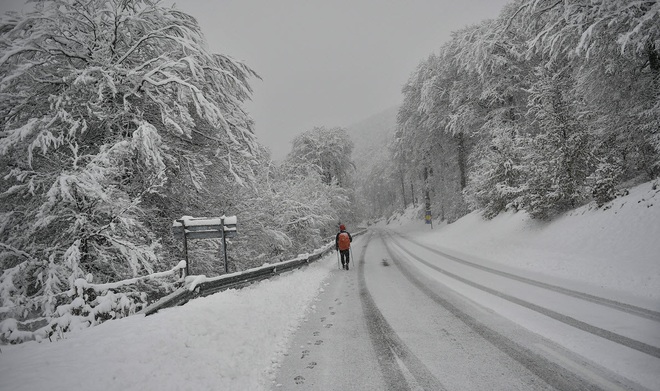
<point>612,252</point>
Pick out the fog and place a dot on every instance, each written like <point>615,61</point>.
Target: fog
<point>325,63</point>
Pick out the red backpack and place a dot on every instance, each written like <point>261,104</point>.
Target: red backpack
<point>344,241</point>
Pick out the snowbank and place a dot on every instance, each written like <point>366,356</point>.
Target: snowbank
<point>227,341</point>
<point>613,252</point>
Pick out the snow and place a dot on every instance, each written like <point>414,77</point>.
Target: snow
<point>230,340</point>
<point>82,283</point>
<point>235,339</point>
<point>613,252</point>
<point>199,221</point>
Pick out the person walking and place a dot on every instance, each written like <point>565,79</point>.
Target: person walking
<point>343,245</point>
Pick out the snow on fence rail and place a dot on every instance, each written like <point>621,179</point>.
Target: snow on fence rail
<point>199,286</point>
<point>96,303</point>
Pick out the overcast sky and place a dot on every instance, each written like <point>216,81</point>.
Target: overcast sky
<point>326,62</point>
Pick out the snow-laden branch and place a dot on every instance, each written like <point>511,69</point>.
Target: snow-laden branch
<point>157,34</point>
<point>81,284</point>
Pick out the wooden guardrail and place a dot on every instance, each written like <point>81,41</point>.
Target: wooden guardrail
<point>200,286</point>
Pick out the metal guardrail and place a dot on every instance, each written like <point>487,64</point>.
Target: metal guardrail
<point>235,280</point>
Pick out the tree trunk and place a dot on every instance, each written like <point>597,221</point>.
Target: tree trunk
<point>427,193</point>
<point>412,194</point>
<point>403,191</point>
<point>462,157</point>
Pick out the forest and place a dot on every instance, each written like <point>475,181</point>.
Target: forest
<point>116,120</point>
<point>552,105</point>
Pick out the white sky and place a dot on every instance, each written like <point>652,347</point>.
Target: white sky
<point>330,63</point>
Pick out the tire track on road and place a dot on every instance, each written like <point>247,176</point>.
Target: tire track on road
<point>609,335</point>
<point>550,372</point>
<point>629,308</point>
<point>391,350</point>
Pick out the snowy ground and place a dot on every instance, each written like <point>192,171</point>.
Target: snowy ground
<point>227,341</point>
<point>233,340</point>
<point>613,252</point>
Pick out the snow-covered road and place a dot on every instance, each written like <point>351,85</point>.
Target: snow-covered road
<point>410,316</point>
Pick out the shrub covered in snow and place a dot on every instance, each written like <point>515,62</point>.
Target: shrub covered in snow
<point>85,304</point>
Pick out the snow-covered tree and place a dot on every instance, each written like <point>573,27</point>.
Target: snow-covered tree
<point>572,86</point>
<point>547,106</point>
<point>559,155</point>
<point>494,54</point>
<point>420,122</point>
<point>380,190</point>
<point>498,178</point>
<point>285,214</point>
<point>435,130</point>
<point>100,104</point>
<point>614,47</point>
<point>328,149</point>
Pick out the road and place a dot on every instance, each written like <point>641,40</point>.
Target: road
<point>409,316</point>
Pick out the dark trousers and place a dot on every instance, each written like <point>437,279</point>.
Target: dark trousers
<point>345,256</point>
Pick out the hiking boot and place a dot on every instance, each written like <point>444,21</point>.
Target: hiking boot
<point>347,266</point>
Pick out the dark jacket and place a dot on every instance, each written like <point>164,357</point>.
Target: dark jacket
<point>337,239</point>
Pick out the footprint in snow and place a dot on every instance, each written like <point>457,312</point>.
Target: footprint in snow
<point>311,365</point>
<point>318,342</point>
<point>304,354</point>
<point>299,379</point>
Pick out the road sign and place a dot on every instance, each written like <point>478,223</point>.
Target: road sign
<point>188,227</point>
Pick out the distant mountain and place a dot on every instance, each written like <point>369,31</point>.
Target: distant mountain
<point>372,135</point>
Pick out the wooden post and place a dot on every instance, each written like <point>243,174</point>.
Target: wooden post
<point>185,247</point>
